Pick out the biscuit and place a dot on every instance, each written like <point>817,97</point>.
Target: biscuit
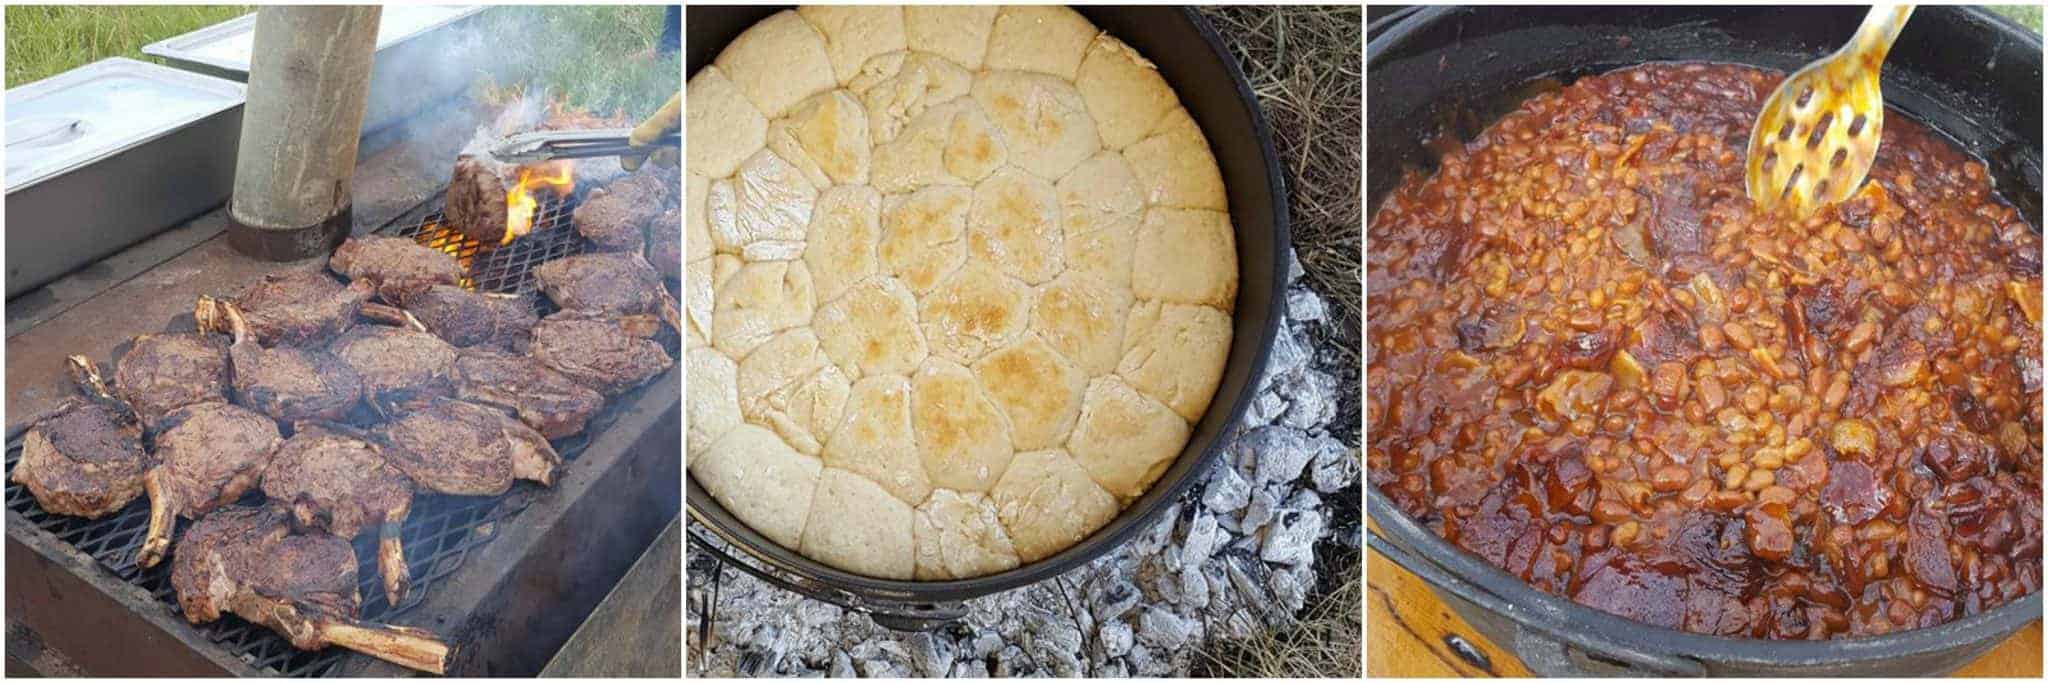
<point>777,63</point>
<point>1124,439</point>
<point>961,436</point>
<point>1083,319</point>
<point>1042,118</point>
<point>1046,39</point>
<point>971,266</point>
<point>958,33</point>
<point>959,536</point>
<point>826,137</point>
<point>972,312</point>
<point>897,87</point>
<point>767,204</point>
<point>845,230</point>
<point>1123,90</point>
<point>857,526</point>
<point>713,397</point>
<point>874,439</point>
<point>724,127</point>
<point>1174,354</point>
<point>1175,168</point>
<point>1039,391</point>
<point>697,235</point>
<point>855,33</point>
<point>872,330</point>
<point>923,235</point>
<point>1047,503</point>
<point>760,480</point>
<point>1015,224</point>
<point>758,300</point>
<point>1186,256</point>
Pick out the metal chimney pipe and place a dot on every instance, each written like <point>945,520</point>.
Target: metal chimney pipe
<point>309,77</point>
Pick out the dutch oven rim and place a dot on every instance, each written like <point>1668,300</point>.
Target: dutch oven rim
<point>1560,616</point>
<point>1195,461</point>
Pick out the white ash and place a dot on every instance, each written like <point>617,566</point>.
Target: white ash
<point>1234,557</point>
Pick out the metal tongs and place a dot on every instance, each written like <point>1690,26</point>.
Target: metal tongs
<point>546,145</point>
<point>1817,134</point>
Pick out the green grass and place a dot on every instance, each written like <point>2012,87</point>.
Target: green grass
<point>595,57</point>
<point>45,40</point>
<point>2026,15</point>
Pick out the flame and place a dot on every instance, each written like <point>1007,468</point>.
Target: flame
<point>520,203</point>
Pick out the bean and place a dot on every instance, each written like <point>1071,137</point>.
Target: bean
<point>1670,478</point>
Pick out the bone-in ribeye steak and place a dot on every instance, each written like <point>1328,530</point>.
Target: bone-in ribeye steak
<point>85,458</point>
<point>246,561</point>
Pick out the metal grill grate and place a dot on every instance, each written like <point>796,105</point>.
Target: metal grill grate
<point>438,535</point>
<point>504,268</point>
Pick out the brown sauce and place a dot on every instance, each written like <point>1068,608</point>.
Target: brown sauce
<point>1596,364</point>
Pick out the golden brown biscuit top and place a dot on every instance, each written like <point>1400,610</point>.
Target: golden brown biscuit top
<point>972,266</point>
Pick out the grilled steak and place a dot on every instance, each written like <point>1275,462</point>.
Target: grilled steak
<point>207,455</point>
<point>611,354</point>
<point>246,561</point>
<point>296,308</point>
<point>85,458</point>
<point>546,400</point>
<point>603,282</point>
<point>329,479</point>
<point>665,244</point>
<point>399,366</point>
<point>465,449</point>
<point>165,372</point>
<point>615,218</point>
<point>387,261</point>
<point>476,200</point>
<point>286,383</point>
<point>465,318</point>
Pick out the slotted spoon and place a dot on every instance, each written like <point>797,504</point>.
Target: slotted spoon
<point>1817,134</point>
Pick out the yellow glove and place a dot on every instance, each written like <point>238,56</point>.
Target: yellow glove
<point>667,119</point>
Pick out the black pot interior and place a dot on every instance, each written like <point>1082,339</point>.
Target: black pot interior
<point>1453,71</point>
<point>1437,74</point>
<point>1210,85</point>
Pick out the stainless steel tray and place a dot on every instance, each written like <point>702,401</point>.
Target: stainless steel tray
<point>104,155</point>
<point>407,73</point>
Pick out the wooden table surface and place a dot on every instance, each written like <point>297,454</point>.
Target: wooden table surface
<point>1406,626</point>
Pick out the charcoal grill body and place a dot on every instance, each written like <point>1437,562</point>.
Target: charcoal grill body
<point>505,580</point>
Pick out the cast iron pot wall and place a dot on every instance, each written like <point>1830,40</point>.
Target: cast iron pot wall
<point>1455,70</point>
<point>1193,59</point>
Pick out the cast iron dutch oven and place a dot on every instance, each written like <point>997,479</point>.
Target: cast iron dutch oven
<point>1453,70</point>
<point>1193,59</point>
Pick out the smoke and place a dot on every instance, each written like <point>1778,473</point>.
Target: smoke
<point>460,89</point>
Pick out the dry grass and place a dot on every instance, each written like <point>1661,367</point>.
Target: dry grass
<point>1328,642</point>
<point>1303,63</point>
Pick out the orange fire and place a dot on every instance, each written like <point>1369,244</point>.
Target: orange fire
<point>520,203</point>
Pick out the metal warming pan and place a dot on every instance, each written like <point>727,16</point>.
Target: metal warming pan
<point>410,39</point>
<point>1967,73</point>
<point>1193,59</point>
<point>166,137</point>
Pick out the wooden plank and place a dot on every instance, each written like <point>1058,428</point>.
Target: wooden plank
<point>635,632</point>
<point>1406,625</point>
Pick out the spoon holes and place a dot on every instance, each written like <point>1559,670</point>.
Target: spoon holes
<point>1805,96</point>
<point>1820,130</point>
<point>1770,159</point>
<point>1856,126</point>
<point>1792,181</point>
<point>1820,189</point>
<point>1841,157</point>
